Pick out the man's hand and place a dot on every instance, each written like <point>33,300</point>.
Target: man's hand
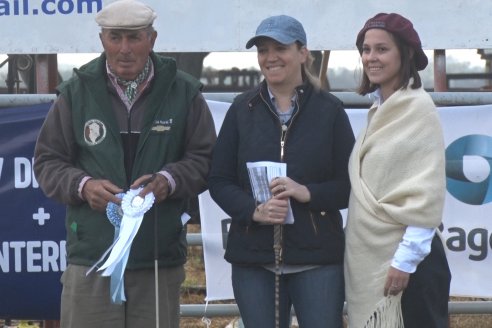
<point>98,193</point>
<point>156,183</point>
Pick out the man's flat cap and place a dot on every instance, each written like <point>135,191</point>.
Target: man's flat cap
<point>126,15</point>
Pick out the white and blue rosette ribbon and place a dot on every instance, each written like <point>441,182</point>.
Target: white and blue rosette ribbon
<point>126,219</point>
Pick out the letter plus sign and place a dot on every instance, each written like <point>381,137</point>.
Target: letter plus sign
<point>41,216</point>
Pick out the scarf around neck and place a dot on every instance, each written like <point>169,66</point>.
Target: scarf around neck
<point>132,85</point>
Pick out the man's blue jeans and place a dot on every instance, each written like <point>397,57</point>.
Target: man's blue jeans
<point>317,296</point>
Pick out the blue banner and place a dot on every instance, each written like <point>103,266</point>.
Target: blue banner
<point>32,233</point>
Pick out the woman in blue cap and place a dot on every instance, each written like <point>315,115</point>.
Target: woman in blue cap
<point>397,274</point>
<point>286,248</point>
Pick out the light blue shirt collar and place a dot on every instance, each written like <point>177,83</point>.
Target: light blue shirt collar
<point>377,97</point>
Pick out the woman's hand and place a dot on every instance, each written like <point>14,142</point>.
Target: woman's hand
<point>284,187</point>
<point>274,211</point>
<point>396,281</point>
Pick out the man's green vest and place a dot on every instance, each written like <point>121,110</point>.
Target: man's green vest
<point>101,155</point>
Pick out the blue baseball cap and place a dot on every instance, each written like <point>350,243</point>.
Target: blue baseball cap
<point>282,28</point>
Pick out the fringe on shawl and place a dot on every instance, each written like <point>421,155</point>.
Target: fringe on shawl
<point>387,314</point>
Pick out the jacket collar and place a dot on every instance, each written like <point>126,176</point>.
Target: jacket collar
<point>94,69</point>
<point>261,92</point>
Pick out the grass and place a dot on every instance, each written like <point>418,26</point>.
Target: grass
<point>193,289</point>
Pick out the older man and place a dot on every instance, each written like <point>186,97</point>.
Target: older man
<point>152,121</point>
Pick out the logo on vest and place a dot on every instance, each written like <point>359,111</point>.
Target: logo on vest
<point>160,126</point>
<point>94,132</point>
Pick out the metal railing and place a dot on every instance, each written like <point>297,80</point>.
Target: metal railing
<point>231,310</point>
<point>350,99</point>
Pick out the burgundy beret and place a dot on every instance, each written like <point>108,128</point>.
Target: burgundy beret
<point>400,26</point>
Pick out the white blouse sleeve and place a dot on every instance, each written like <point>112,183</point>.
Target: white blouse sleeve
<point>414,247</point>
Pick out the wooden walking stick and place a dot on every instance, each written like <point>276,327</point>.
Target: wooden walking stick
<point>277,247</point>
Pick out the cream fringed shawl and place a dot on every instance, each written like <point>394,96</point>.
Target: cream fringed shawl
<point>398,179</point>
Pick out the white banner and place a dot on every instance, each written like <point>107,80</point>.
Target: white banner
<point>467,222</point>
<point>468,209</point>
<point>67,26</point>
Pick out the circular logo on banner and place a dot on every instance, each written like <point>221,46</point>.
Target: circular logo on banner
<point>94,132</point>
<point>468,169</point>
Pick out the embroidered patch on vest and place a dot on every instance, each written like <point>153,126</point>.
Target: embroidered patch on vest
<point>162,125</point>
<point>94,132</point>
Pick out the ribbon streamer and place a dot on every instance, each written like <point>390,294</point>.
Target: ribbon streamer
<point>126,220</point>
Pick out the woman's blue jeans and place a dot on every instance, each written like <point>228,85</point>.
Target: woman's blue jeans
<point>317,296</point>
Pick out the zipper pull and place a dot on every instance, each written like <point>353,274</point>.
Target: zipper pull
<point>282,141</point>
